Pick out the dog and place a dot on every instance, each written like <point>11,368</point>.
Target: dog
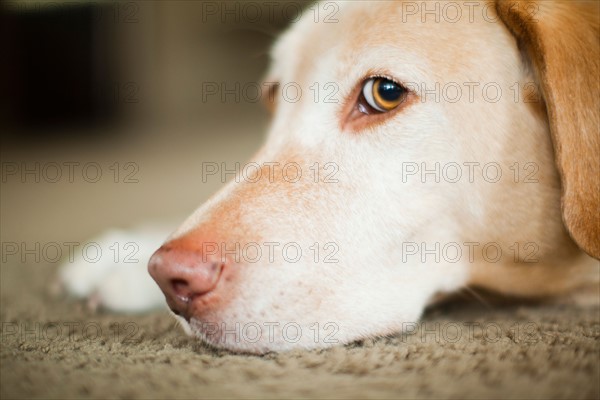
<point>460,149</point>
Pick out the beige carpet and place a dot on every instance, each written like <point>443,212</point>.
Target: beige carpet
<point>460,351</point>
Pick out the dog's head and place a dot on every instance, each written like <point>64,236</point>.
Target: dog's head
<point>408,147</point>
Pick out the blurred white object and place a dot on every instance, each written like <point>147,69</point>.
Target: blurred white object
<point>110,270</point>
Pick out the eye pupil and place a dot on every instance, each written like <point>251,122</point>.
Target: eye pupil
<point>388,91</point>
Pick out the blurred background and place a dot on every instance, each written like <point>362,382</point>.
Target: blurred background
<point>109,109</point>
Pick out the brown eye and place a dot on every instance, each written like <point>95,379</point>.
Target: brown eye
<point>383,94</point>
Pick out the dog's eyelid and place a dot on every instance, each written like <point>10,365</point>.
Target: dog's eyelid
<point>397,81</point>
<point>383,76</point>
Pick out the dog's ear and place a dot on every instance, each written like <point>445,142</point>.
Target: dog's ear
<point>561,40</point>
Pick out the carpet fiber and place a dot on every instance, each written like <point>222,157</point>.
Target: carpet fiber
<point>57,348</point>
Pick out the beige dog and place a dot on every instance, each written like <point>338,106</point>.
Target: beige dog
<point>460,146</point>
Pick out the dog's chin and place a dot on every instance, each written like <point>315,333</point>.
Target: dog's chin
<point>218,340</point>
<point>235,342</point>
<point>215,336</point>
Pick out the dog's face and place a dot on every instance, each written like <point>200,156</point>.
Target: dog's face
<point>392,151</point>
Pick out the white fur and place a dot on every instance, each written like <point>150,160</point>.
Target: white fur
<point>124,285</point>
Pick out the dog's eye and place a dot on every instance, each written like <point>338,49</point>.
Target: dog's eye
<point>382,94</point>
<point>373,101</point>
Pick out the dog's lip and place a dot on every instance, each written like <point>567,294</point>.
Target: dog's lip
<point>183,299</point>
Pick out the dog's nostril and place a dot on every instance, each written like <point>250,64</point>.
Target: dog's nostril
<point>178,283</point>
<point>181,289</point>
<point>184,276</point>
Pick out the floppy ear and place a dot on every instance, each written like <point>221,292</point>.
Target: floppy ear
<point>562,43</point>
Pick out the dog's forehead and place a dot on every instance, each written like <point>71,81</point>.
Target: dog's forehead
<point>347,30</point>
<point>372,28</point>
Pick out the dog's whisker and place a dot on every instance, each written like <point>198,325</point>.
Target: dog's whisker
<point>477,296</point>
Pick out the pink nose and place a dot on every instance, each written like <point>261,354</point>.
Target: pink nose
<point>184,275</point>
